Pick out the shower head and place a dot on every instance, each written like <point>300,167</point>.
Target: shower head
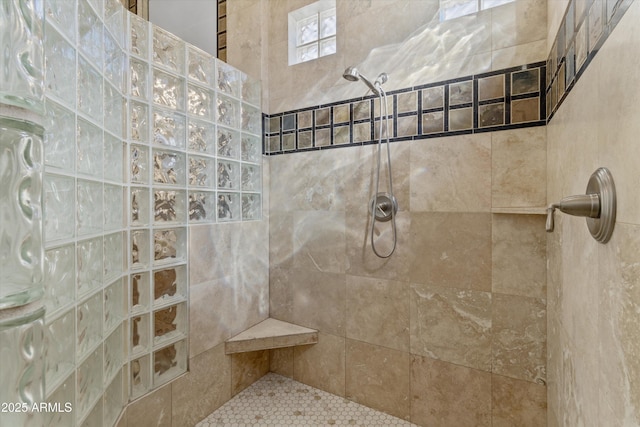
<point>352,74</point>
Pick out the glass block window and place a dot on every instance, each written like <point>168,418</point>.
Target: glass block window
<point>312,31</point>
<point>451,9</point>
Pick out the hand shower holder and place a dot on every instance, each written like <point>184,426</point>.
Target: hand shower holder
<point>598,205</point>
<point>382,206</point>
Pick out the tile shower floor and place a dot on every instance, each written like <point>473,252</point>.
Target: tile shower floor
<point>275,400</point>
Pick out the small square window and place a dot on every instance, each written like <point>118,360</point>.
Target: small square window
<point>312,31</point>
<point>451,9</point>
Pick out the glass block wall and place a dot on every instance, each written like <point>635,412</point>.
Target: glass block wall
<point>144,135</point>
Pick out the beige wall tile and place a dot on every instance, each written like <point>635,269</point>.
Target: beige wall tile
<point>378,312</point>
<point>206,387</point>
<point>319,242</point>
<point>519,262</point>
<point>282,282</point>
<point>452,175</point>
<point>517,403</point>
<point>514,56</point>
<point>378,377</point>
<point>319,300</point>
<point>520,22</point>
<point>453,325</point>
<point>152,410</point>
<point>322,365</point>
<point>281,361</point>
<point>451,250</point>
<point>518,168</point>
<point>445,395</point>
<point>519,334</point>
<point>247,368</point>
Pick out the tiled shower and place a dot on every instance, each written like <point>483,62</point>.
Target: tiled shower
<point>165,230</point>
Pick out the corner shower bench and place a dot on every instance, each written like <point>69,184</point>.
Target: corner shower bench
<point>270,333</point>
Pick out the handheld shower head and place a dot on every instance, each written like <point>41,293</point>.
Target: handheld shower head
<point>352,74</point>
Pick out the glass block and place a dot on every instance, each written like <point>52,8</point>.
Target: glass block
<point>88,324</point>
<point>169,207</point>
<point>21,32</point>
<point>228,111</point>
<point>140,211</point>
<point>21,253</point>
<point>114,19</point>
<point>202,206</point>
<point>307,53</point>
<point>63,397</point>
<point>169,167</point>
<point>59,204</point>
<point>59,136</point>
<point>60,59</point>
<point>228,143</point>
<point>251,149</point>
<point>228,80</point>
<point>114,400</point>
<point>228,175</point>
<point>168,90</point>
<point>113,158</point>
<point>140,251</point>
<point>89,383</point>
<point>202,172</point>
<point>139,118</point>
<point>251,90</point>
<point>168,50</point>
<point>169,362</point>
<point>59,348</point>
<point>199,102</point>
<point>200,65</point>
<point>202,136</point>
<point>251,178</point>
<point>89,265</point>
<point>89,93</point>
<point>139,164</point>
<point>89,209</point>
<point>251,207</point>
<point>23,364</point>
<point>89,149</point>
<point>169,323</point>
<point>114,104</point>
<point>140,292</point>
<point>114,63</point>
<point>169,245</point>
<point>139,36</point>
<point>140,371</point>
<point>169,128</point>
<point>251,119</point>
<point>169,284</point>
<point>328,46</point>
<point>113,256</point>
<point>90,33</point>
<point>328,23</point>
<point>228,206</point>
<point>139,79</point>
<point>60,278</point>
<point>113,355</point>
<point>140,327</point>
<point>114,207</point>
<point>114,303</point>
<point>307,30</point>
<point>63,14</point>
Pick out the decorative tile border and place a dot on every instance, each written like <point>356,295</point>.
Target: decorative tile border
<point>584,28</point>
<point>504,99</point>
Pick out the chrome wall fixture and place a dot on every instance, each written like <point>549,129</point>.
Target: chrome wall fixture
<point>598,205</point>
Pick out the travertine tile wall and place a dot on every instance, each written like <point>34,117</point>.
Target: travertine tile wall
<point>594,304</point>
<point>463,299</point>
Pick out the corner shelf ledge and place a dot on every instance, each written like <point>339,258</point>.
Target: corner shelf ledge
<point>270,333</point>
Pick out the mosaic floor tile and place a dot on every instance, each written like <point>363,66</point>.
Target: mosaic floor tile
<point>275,400</point>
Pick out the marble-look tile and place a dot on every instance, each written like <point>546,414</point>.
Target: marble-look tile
<point>152,410</point>
<point>378,377</point>
<point>513,56</point>
<point>247,368</point>
<point>322,365</point>
<point>445,395</point>
<point>519,262</point>
<point>519,337</point>
<point>281,284</point>
<point>519,22</point>
<point>122,422</point>
<point>206,387</point>
<point>519,168</point>
<point>451,250</point>
<point>378,312</point>
<point>281,361</point>
<point>319,241</point>
<point>452,174</point>
<point>517,403</point>
<point>452,325</point>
